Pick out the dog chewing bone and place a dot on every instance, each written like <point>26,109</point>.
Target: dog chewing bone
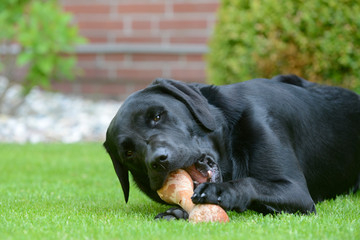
<point>178,189</point>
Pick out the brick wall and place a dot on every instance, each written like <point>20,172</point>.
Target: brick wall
<point>131,42</point>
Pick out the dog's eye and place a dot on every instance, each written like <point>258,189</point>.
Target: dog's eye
<point>157,118</point>
<point>129,153</point>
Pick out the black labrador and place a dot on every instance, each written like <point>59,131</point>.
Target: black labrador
<point>278,145</point>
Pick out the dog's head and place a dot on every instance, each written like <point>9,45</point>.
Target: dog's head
<point>167,126</point>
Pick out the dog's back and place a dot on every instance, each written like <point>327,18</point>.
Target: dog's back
<point>337,142</point>
<point>321,123</point>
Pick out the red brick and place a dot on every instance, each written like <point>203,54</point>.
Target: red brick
<point>195,58</point>
<point>94,73</point>
<point>138,39</point>
<point>141,8</point>
<point>88,9</point>
<point>97,22</point>
<point>116,57</point>
<point>183,24</point>
<point>155,57</point>
<point>113,88</point>
<point>139,74</point>
<point>195,7</point>
<point>197,75</point>
<point>86,57</point>
<point>103,25</point>
<point>86,88</point>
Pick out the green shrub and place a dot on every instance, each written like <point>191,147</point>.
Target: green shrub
<point>45,37</point>
<point>317,40</point>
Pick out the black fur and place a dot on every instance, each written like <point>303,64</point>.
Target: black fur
<point>279,145</point>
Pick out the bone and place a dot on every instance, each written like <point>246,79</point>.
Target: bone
<point>208,213</point>
<point>178,189</point>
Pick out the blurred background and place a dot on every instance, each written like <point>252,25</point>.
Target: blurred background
<point>67,60</point>
<point>130,43</point>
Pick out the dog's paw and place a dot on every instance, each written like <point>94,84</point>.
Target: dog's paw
<point>222,194</point>
<point>209,193</point>
<point>173,214</point>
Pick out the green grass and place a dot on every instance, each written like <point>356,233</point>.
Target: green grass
<point>58,191</point>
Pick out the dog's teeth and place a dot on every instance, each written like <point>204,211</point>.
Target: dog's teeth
<point>209,173</point>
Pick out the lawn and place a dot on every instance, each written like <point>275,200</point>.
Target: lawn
<point>59,191</point>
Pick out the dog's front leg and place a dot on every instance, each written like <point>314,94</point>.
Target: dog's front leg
<point>261,196</point>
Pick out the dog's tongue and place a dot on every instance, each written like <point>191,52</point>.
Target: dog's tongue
<point>195,174</point>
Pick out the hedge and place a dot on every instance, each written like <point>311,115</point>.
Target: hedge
<point>317,40</point>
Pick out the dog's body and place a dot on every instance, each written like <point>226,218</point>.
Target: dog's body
<point>268,145</point>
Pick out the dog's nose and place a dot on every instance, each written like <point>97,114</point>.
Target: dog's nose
<point>159,159</point>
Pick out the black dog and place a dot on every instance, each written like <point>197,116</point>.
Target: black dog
<point>276,145</point>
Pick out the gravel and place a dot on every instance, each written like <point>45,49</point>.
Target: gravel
<point>53,117</point>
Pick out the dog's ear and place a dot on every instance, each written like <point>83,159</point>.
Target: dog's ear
<point>191,97</point>
<point>121,171</point>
